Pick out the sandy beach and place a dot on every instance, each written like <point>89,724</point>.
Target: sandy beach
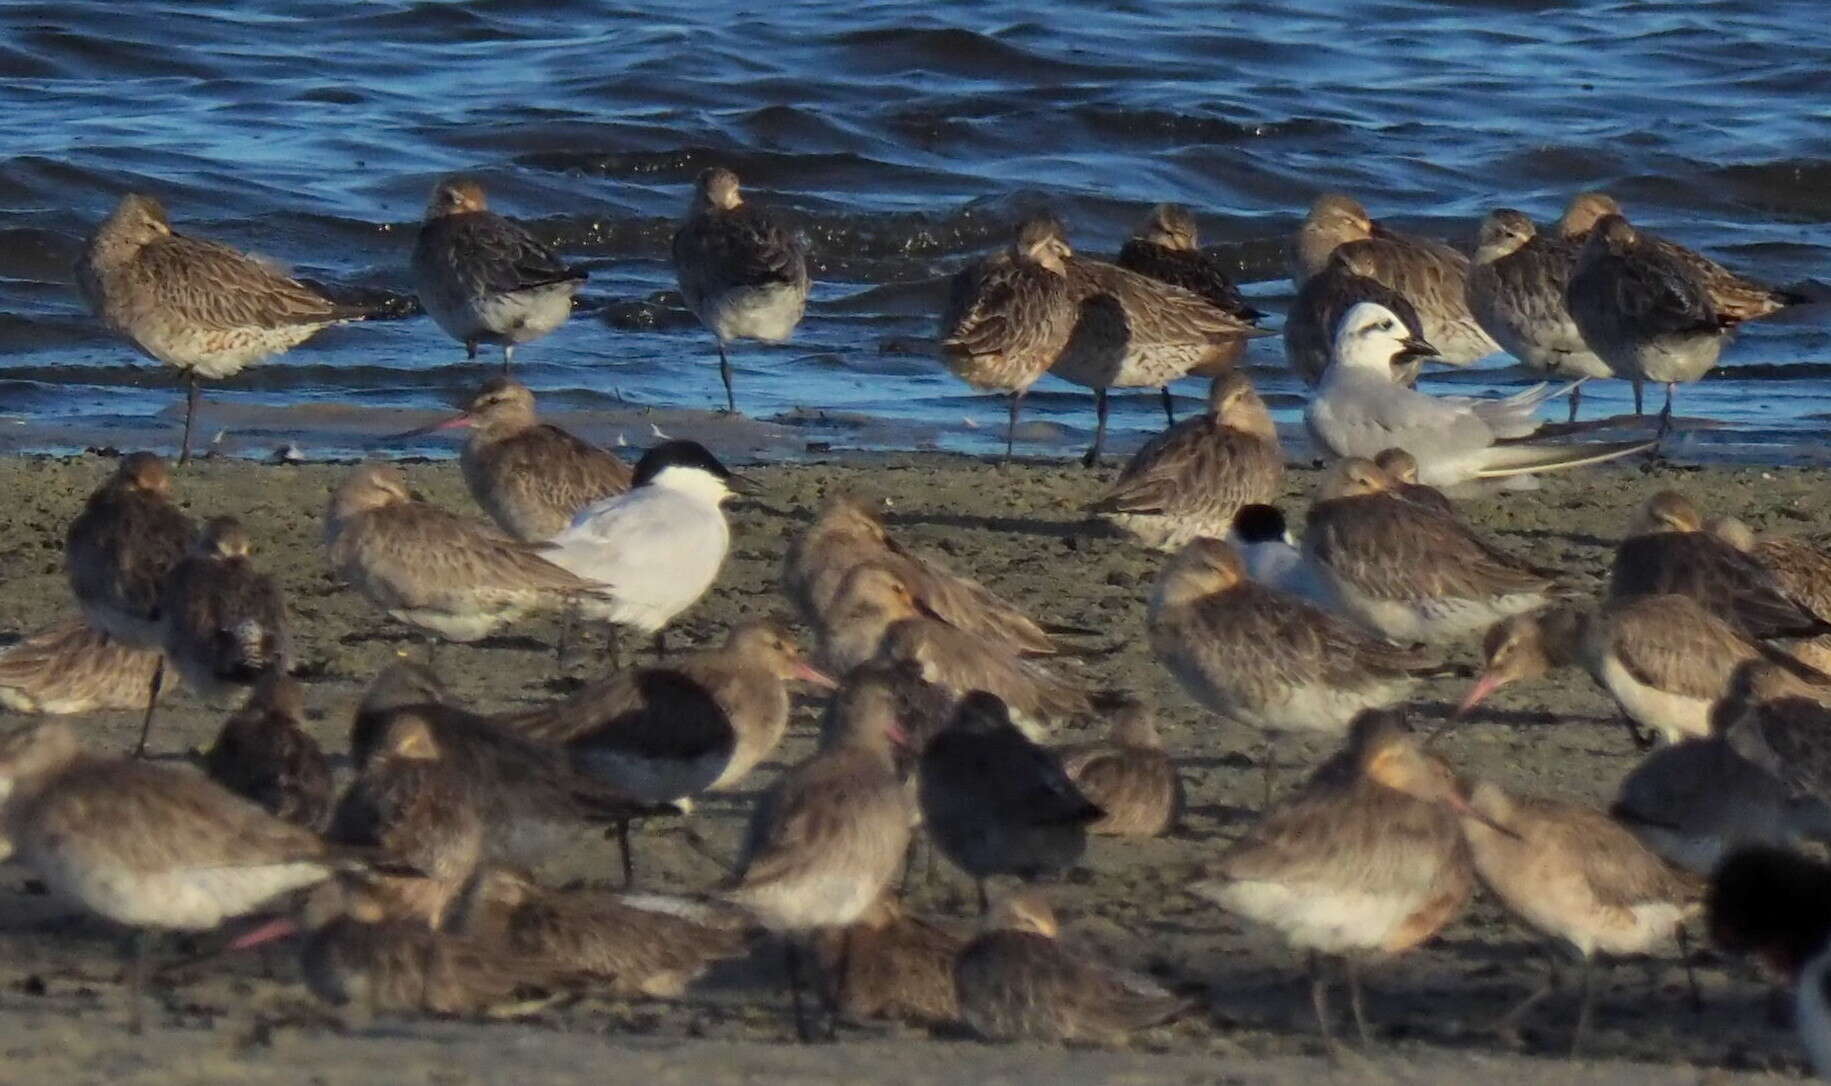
<point>1018,527</point>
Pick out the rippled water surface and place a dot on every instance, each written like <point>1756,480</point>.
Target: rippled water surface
<point>902,138</point>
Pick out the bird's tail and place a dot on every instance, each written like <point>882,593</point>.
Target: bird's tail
<point>1501,461</point>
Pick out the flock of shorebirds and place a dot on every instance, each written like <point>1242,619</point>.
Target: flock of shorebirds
<point>412,891</point>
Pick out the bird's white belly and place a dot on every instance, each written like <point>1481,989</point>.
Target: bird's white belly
<point>767,313</point>
<point>816,899</point>
<point>524,315</point>
<point>194,899</point>
<point>1674,716</point>
<point>1333,920</point>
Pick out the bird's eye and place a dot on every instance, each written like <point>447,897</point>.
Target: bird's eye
<point>1385,326</point>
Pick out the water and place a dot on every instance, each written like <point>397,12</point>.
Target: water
<point>902,138</point>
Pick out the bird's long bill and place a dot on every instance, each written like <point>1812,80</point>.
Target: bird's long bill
<point>456,422</point>
<point>808,673</point>
<point>1461,806</point>
<point>1414,347</point>
<point>272,931</point>
<point>739,483</point>
<point>1484,688</point>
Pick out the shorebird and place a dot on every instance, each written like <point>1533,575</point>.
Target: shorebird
<point>847,533</point>
<point>1669,549</point>
<point>1190,480</point>
<point>1735,296</point>
<point>198,306</point>
<point>1129,775</point>
<point>1517,286</point>
<point>364,951</point>
<point>483,278</point>
<point>1402,468</point>
<point>700,724</point>
<point>434,570</point>
<point>995,803</point>
<point>649,945</point>
<point>526,795</point>
<point>1017,982</point>
<point>1644,312</point>
<point>1359,410</point>
<point>264,753</point>
<point>1770,902</point>
<point>1314,318</point>
<point>531,477</point>
<point>656,549</point>
<point>225,622</point>
<point>1265,658</point>
<point>1696,802</point>
<point>1131,331</point>
<point>1406,572</point>
<point>1009,315</point>
<point>1263,540</point>
<point>1430,274</point>
<point>118,553</point>
<point>73,667</point>
<point>1799,570</point>
<point>1664,659</point>
<point>1780,721</point>
<point>1366,859</point>
<point>154,848</point>
<point>742,273</point>
<point>893,964</point>
<point>1573,873</point>
<point>825,841</point>
<point>1167,248</point>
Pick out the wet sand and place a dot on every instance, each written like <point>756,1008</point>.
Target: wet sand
<point>1018,527</point>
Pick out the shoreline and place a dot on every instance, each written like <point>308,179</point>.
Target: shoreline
<point>1018,527</point>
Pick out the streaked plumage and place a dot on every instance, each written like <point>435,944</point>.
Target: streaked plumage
<point>1009,314</point>
<point>1016,982</point>
<point>1128,775</point>
<point>1430,274</point>
<point>994,802</point>
<point>1191,480</point>
<point>121,547</point>
<point>1360,410</point>
<point>198,306</point>
<point>893,964</point>
<point>847,533</point>
<point>1402,468</point>
<point>1517,287</point>
<point>1576,875</point>
<point>1407,572</point>
<point>264,753</point>
<point>1697,802</point>
<point>73,667</point>
<point>432,569</point>
<point>1314,319</point>
<point>1167,248</point>
<point>1366,859</point>
<point>225,621</point>
<point>483,278</point>
<point>1780,721</point>
<point>1265,658</point>
<point>531,477</point>
<point>1644,311</point>
<point>741,272</point>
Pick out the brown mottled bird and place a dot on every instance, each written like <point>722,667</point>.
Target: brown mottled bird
<point>641,944</point>
<point>531,477</point>
<point>72,667</point>
<point>264,753</point>
<point>1168,249</point>
<point>483,278</point>
<point>1128,775</point>
<point>1009,315</point>
<point>1017,982</point>
<point>1192,479</point>
<point>225,622</point>
<point>1314,319</point>
<point>996,803</point>
<point>741,272</point>
<point>1580,877</point>
<point>195,305</point>
<point>893,964</point>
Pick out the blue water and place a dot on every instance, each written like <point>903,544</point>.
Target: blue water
<point>902,138</point>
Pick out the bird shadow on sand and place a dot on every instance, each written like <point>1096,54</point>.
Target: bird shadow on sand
<point>1580,539</point>
<point>1056,529</point>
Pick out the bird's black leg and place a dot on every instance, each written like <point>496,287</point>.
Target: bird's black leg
<point>1100,408</point>
<point>152,701</point>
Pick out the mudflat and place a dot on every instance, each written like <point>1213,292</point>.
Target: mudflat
<point>1018,527</point>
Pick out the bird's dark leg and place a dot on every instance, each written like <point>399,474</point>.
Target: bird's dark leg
<point>1576,397</point>
<point>1639,405</point>
<point>152,701</point>
<point>1352,970</point>
<point>1100,408</point>
<point>724,372</point>
<point>1269,771</point>
<point>629,858</point>
<point>470,350</point>
<point>1508,1026</point>
<point>1665,414</point>
<point>1169,406</point>
<point>1017,399</point>
<point>1684,952</point>
<point>792,957</point>
<point>985,902</point>
<point>661,644</point>
<point>1319,1000</point>
<point>139,973</point>
<point>191,395</point>
<point>837,990</point>
<point>1588,1005</point>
